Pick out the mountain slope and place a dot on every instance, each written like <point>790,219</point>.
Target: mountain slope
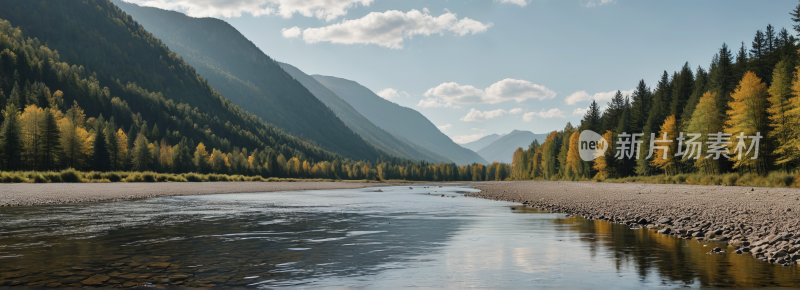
<point>502,149</point>
<point>479,144</point>
<point>111,66</point>
<point>241,72</point>
<point>398,120</point>
<point>359,123</point>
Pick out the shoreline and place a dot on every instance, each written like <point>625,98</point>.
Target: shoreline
<point>764,222</point>
<point>31,194</point>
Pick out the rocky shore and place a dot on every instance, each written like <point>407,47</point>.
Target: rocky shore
<point>763,222</point>
<point>26,194</point>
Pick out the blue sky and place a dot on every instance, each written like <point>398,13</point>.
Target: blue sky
<point>478,67</point>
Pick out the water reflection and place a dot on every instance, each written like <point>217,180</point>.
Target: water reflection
<point>678,261</point>
<point>398,237</point>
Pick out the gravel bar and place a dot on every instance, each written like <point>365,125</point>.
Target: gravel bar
<point>26,194</point>
<point>763,222</point>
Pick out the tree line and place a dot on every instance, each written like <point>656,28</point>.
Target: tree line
<point>754,92</point>
<point>44,126</point>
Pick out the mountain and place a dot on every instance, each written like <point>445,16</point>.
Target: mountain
<point>241,72</point>
<point>103,60</point>
<point>398,120</point>
<point>482,142</point>
<point>359,123</point>
<point>502,149</point>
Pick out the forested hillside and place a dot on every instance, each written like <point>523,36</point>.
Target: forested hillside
<point>738,115</point>
<point>241,72</point>
<point>398,120</point>
<point>58,114</point>
<point>361,125</point>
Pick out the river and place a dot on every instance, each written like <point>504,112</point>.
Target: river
<point>374,238</point>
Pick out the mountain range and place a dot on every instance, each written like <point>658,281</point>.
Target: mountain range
<point>241,72</point>
<point>403,122</point>
<point>500,148</point>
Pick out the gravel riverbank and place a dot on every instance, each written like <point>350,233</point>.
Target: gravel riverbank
<point>25,194</point>
<point>763,222</point>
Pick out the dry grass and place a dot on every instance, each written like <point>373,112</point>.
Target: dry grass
<point>73,176</point>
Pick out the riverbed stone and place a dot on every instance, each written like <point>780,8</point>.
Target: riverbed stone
<point>95,280</point>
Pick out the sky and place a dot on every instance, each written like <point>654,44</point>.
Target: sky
<point>480,67</point>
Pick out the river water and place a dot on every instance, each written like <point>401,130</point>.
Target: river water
<point>375,238</point>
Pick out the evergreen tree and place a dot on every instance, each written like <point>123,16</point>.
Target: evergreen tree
<point>796,18</point>
<point>700,81</point>
<point>102,155</point>
<point>657,114</point>
<point>155,135</point>
<point>640,107</point>
<point>758,54</point>
<point>140,154</point>
<point>780,121</point>
<point>11,139</point>
<point>683,87</point>
<point>591,120</point>
<point>722,80</point>
<point>613,112</point>
<point>50,140</point>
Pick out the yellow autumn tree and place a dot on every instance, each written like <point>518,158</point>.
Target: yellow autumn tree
<point>31,121</point>
<point>605,164</point>
<point>76,142</point>
<point>665,159</point>
<point>574,162</point>
<point>748,115</point>
<point>786,127</point>
<point>705,120</point>
<point>217,161</point>
<point>200,158</point>
<point>121,150</point>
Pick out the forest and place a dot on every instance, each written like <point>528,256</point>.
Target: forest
<point>89,112</point>
<point>752,92</point>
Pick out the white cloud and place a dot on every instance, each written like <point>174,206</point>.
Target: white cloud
<point>389,93</point>
<point>580,111</point>
<point>430,103</point>
<point>293,32</point>
<point>549,114</point>
<point>391,28</point>
<point>502,91</point>
<point>582,96</point>
<point>480,116</point>
<point>515,111</point>
<point>593,3</point>
<point>426,10</point>
<point>321,9</point>
<point>478,129</point>
<point>521,3</point>
<point>467,138</point>
<point>444,127</point>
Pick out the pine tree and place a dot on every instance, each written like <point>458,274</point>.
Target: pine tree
<point>50,140</point>
<point>748,115</point>
<point>11,139</point>
<point>780,120</point>
<point>656,117</point>
<point>591,121</point>
<point>700,81</point>
<point>758,54</point>
<point>102,156</point>
<point>140,155</point>
<point>155,135</point>
<point>742,64</point>
<point>705,120</point>
<point>640,107</point>
<point>796,18</point>
<point>683,86</point>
